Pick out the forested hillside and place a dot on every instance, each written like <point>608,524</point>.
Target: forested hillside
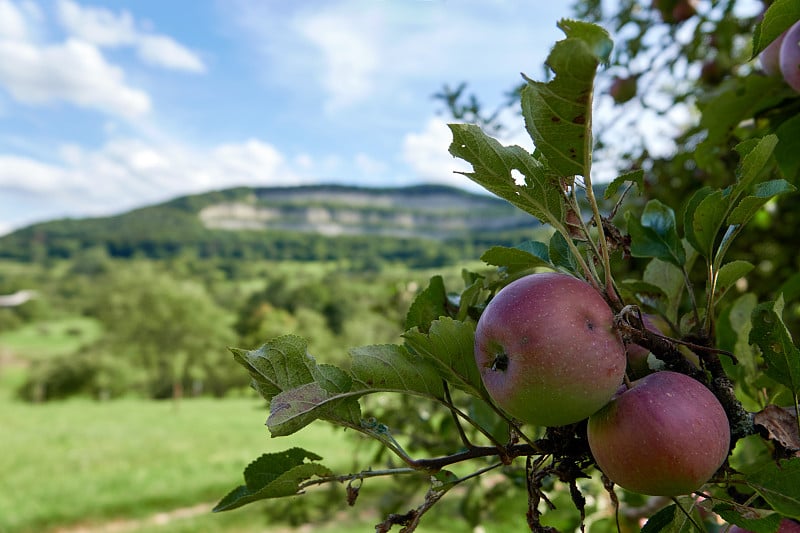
<point>420,226</point>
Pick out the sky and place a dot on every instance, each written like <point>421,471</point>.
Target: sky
<point>110,105</point>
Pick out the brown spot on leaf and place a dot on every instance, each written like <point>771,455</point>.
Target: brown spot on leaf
<point>779,424</point>
<point>580,119</point>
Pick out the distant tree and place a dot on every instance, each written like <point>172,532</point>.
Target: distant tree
<point>169,328</point>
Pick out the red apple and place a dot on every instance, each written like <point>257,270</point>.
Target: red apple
<point>769,58</point>
<point>675,11</point>
<point>547,350</point>
<point>665,436</point>
<point>786,526</point>
<point>790,56</point>
<point>637,355</point>
<point>623,89</point>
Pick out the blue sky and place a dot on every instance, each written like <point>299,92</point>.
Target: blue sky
<point>108,105</point>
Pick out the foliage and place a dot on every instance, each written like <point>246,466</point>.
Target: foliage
<point>678,259</point>
<point>400,225</point>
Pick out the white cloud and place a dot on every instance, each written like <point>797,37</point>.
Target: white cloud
<point>387,51</point>
<point>248,162</point>
<point>97,25</point>
<point>103,27</point>
<point>13,25</point>
<point>74,71</point>
<point>125,173</point>
<point>18,173</point>
<point>427,154</point>
<point>350,55</point>
<point>162,51</point>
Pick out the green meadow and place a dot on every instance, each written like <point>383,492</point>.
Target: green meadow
<point>136,464</point>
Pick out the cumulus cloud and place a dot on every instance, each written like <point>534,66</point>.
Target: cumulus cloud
<point>125,173</point>
<point>162,51</point>
<point>105,28</point>
<point>349,53</point>
<point>13,25</point>
<point>73,71</point>
<point>97,25</point>
<point>386,51</point>
<point>426,153</point>
<point>36,72</point>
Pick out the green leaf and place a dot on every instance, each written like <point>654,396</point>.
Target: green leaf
<point>764,192</point>
<point>780,15</point>
<point>707,221</point>
<point>293,409</point>
<point>688,215</point>
<point>778,485</point>
<point>670,278</point>
<point>558,113</point>
<point>733,334</point>
<point>561,254</point>
<point>430,304</point>
<point>392,368</point>
<point>332,378</point>
<point>755,156</point>
<point>655,235</point>
<point>788,147</point>
<point>450,347</point>
<point>769,333</point>
<point>790,288</point>
<point>635,176</point>
<point>672,519</point>
<point>527,255</point>
<point>280,364</point>
<point>756,521</point>
<point>722,114</point>
<point>471,296</point>
<point>379,368</point>
<point>646,293</point>
<point>274,475</point>
<point>494,167</point>
<point>729,274</point>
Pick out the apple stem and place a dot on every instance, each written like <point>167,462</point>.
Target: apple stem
<point>626,380</point>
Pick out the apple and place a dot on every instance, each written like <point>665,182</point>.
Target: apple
<point>786,526</point>
<point>769,58</point>
<point>712,72</point>
<point>637,355</point>
<point>664,436</point>
<point>790,56</point>
<point>623,89</point>
<point>684,10</point>
<point>675,11</point>
<point>547,350</point>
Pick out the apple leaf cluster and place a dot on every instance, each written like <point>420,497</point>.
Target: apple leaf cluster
<point>734,399</point>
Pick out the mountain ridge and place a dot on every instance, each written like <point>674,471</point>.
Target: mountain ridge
<point>281,221</point>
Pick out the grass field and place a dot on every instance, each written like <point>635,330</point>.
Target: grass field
<point>135,465</point>
<point>83,462</point>
<point>139,466</point>
<point>49,338</point>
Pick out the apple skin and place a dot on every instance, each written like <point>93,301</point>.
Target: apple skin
<point>769,58</point>
<point>547,350</point>
<point>675,11</point>
<point>623,89</point>
<point>786,526</point>
<point>637,355</point>
<point>665,436</point>
<point>790,56</point>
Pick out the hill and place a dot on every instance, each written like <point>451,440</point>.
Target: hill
<point>424,225</point>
